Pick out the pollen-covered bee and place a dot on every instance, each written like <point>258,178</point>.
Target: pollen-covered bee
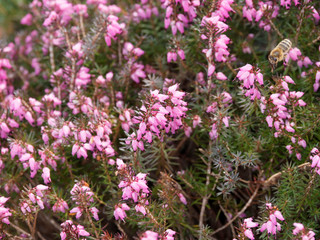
<point>279,52</point>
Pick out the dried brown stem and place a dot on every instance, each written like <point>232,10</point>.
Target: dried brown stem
<point>314,41</point>
<point>19,229</point>
<point>34,226</point>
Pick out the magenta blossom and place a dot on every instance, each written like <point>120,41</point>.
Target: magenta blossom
<point>69,231</point>
<point>119,212</point>
<point>272,226</point>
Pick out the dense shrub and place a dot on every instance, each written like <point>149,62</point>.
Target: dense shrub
<point>160,120</point>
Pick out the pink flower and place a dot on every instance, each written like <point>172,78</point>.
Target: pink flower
<point>4,212</point>
<point>182,198</point>
<point>46,175</point>
<point>181,54</point>
<point>211,69</point>
<point>294,53</point>
<point>119,212</point>
<point>169,234</point>
<point>50,19</point>
<point>272,226</point>
<point>250,78</point>
<point>149,235</point>
<point>221,76</point>
<point>302,232</point>
<point>69,229</point>
<point>140,208</point>
<point>27,20</point>
<point>196,121</point>
<point>171,56</point>
<point>60,205</point>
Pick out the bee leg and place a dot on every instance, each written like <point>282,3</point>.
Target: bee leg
<point>272,67</point>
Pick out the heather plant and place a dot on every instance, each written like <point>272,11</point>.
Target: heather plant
<point>159,120</point>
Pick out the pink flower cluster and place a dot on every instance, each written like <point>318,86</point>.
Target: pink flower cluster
<point>287,3</point>
<point>250,77</point>
<point>272,226</point>
<point>223,8</point>
<point>316,84</point>
<point>4,65</point>
<point>144,11</point>
<point>94,137</point>
<point>133,187</point>
<point>178,21</point>
<point>71,231</point>
<point>214,26</point>
<point>131,54</point>
<point>159,112</point>
<point>279,108</point>
<point>26,154</point>
<point>60,205</point>
<point>302,233</point>
<point>4,212</point>
<point>261,13</point>
<point>119,212</point>
<point>150,235</point>
<point>7,125</point>
<point>173,54</point>
<point>296,55</point>
<point>83,197</point>
<point>245,229</point>
<point>126,119</point>
<point>33,199</point>
<point>315,158</point>
<point>114,28</point>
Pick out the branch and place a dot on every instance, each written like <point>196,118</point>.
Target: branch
<point>227,216</point>
<point>273,179</point>
<point>274,27</point>
<point>239,213</point>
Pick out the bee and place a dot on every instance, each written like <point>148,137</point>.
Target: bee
<point>279,53</point>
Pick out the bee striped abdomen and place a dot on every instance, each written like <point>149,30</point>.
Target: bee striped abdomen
<point>285,45</point>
